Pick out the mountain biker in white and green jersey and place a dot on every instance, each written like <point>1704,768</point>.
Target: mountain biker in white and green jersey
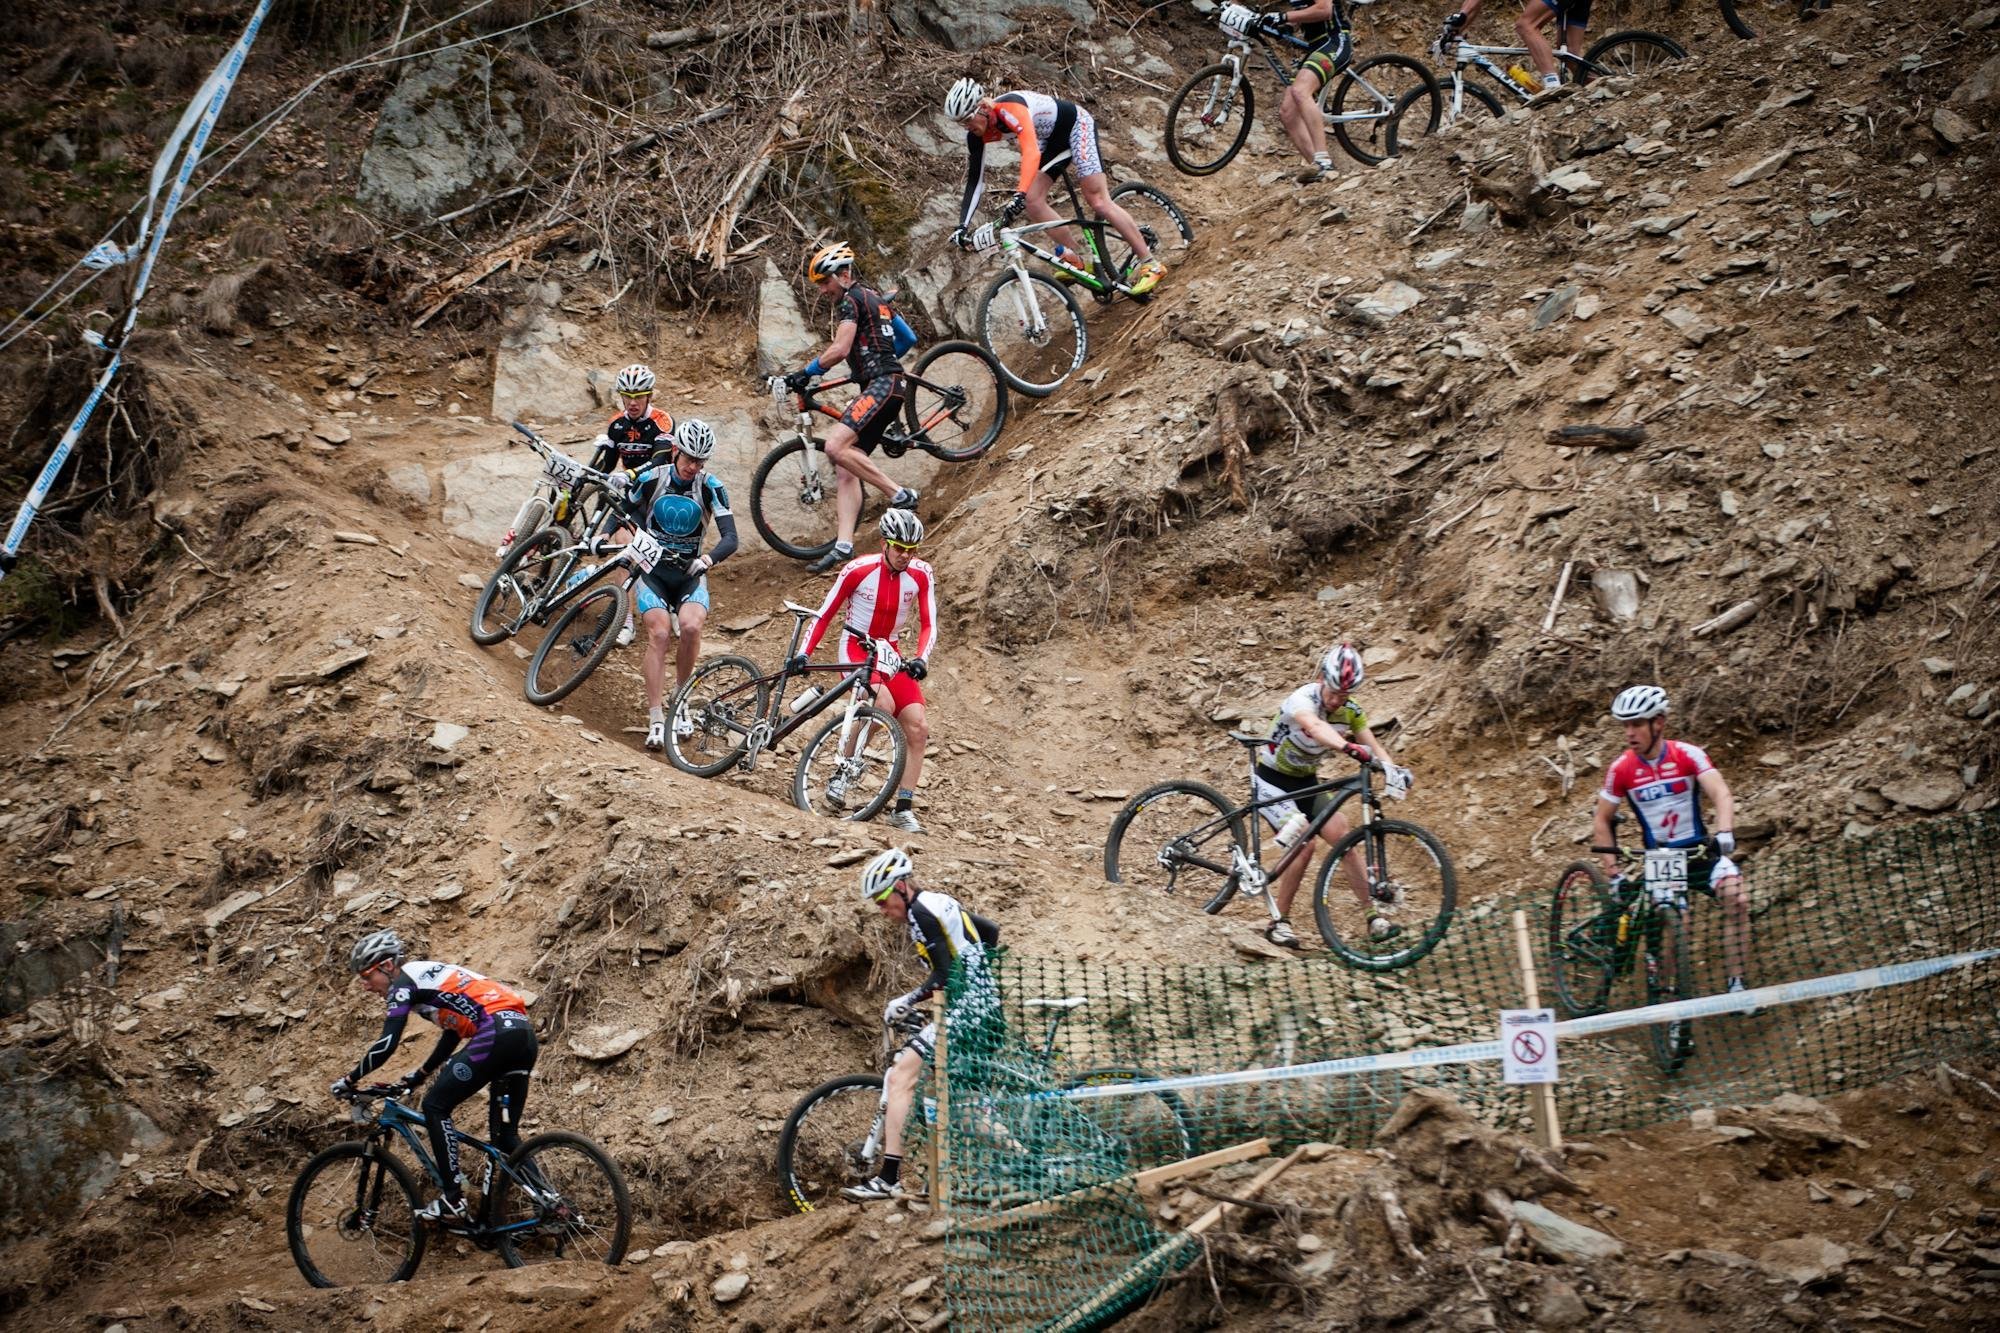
<point>1318,717</point>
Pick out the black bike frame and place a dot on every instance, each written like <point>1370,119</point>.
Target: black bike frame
<point>853,675</point>
<point>1262,40</point>
<point>898,434</point>
<point>1347,788</point>
<point>399,1120</point>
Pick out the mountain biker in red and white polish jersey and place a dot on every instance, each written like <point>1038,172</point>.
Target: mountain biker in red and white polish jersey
<point>1663,782</point>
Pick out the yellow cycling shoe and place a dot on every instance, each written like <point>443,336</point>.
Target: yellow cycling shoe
<point>1147,276</point>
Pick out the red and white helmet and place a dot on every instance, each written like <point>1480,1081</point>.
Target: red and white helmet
<point>1341,668</point>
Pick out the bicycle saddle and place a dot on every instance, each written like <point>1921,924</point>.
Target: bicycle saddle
<point>797,610</point>
<point>1245,738</point>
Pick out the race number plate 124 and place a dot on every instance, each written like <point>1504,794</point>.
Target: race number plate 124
<point>646,551</point>
<point>1667,874</point>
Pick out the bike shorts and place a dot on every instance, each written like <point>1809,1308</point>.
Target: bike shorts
<point>1267,783</point>
<point>903,689</point>
<point>1331,54</point>
<point>672,593</point>
<point>1077,150</point>
<point>871,414</point>
<point>1570,13</point>
<point>975,1025</point>
<point>497,1057</point>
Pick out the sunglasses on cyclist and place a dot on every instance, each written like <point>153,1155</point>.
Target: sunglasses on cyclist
<point>900,546</point>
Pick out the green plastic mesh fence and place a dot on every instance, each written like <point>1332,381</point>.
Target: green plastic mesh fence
<point>1048,1229</point>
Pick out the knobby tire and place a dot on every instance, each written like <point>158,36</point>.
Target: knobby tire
<point>1056,304</point>
<point>760,483</point>
<point>1139,862</point>
<point>921,401</point>
<point>555,640</point>
<point>874,719</point>
<point>512,1245</point>
<point>1241,111</point>
<point>388,1178</point>
<point>744,706</point>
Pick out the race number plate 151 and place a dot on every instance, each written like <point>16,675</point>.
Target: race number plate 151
<point>1667,874</point>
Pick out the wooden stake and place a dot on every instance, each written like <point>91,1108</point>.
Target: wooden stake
<point>939,1155</point>
<point>1541,1096</point>
<point>1555,603</point>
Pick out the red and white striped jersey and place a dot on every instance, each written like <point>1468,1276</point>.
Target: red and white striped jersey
<point>879,600</point>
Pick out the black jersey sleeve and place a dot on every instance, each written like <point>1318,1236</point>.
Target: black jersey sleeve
<point>385,1045</point>
<point>989,931</point>
<point>937,944</point>
<point>725,538</point>
<point>975,176</point>
<point>447,1042</point>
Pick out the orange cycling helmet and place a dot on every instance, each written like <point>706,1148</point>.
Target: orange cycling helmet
<point>829,261</point>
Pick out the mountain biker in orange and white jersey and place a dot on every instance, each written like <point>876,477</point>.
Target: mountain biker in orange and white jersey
<point>1314,720</point>
<point>499,1050</point>
<point>1052,134</point>
<point>1663,781</point>
<point>1571,18</point>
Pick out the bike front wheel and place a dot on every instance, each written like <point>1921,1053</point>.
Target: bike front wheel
<point>1426,117</point>
<point>957,403</point>
<point>723,699</point>
<point>850,768</point>
<point>1366,100</point>
<point>1670,977</point>
<point>1412,892</point>
<point>1583,943</point>
<point>1208,120</point>
<point>1034,329</point>
<point>560,1197</point>
<point>524,575</point>
<point>1174,835</point>
<point>791,500</point>
<point>833,1139</point>
<point>352,1218</point>
<point>1166,228</point>
<point>1634,51</point>
<point>577,643</point>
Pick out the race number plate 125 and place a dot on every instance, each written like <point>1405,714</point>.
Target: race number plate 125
<point>562,469</point>
<point>1667,874</point>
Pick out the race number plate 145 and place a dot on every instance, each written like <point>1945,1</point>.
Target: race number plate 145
<point>1667,874</point>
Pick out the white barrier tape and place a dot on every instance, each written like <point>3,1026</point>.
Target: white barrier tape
<point>1764,997</point>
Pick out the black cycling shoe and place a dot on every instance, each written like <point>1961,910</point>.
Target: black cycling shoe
<point>834,557</point>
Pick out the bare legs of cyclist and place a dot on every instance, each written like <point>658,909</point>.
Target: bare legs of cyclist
<point>1286,887</point>
<point>1535,17</point>
<point>1735,900</point>
<point>1304,125</point>
<point>856,468</point>
<point>1096,192</point>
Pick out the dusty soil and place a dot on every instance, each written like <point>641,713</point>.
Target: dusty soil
<point>1255,464</point>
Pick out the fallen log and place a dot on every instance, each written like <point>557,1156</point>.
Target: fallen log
<point>1602,437</point>
<point>439,295</point>
<point>709,32</point>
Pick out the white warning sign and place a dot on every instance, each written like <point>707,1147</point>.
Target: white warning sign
<point>1528,1045</point>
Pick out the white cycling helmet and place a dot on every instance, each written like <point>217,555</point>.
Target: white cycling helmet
<point>1639,702</point>
<point>901,527</point>
<point>964,98</point>
<point>880,877</point>
<point>635,380</point>
<point>1341,668</point>
<point>369,950</point>
<point>694,438</point>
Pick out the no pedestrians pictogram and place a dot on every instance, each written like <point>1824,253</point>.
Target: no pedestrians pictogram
<point>1528,1045</point>
<point>1529,1048</point>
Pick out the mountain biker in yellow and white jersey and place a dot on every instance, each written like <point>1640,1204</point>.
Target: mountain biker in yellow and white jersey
<point>1315,719</point>
<point>944,933</point>
<point>1330,47</point>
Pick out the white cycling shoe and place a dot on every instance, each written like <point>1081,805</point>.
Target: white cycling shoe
<point>656,735</point>
<point>628,633</point>
<point>876,1188</point>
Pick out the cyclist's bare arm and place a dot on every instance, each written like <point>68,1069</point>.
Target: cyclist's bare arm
<point>1319,12</point>
<point>1312,724</point>
<point>843,343</point>
<point>1601,835</point>
<point>1719,796</point>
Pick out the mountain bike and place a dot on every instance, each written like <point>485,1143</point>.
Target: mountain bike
<point>583,504</point>
<point>735,712</point>
<point>1187,828</point>
<point>1598,930</point>
<point>1633,51</point>
<point>352,1217</point>
<point>830,1140</point>
<point>1209,119</point>
<point>1030,322</point>
<point>954,407</point>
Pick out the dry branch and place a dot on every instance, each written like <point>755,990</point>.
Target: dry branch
<point>713,243</point>
<point>440,295</point>
<point>695,36</point>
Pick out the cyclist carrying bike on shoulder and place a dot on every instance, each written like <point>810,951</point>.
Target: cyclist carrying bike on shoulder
<point>1330,49</point>
<point>1052,134</point>
<point>1316,719</point>
<point>500,1049</point>
<point>944,933</point>
<point>1663,781</point>
<point>1572,20</point>
<point>871,337</point>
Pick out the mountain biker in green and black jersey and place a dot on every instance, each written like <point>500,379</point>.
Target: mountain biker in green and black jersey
<point>944,933</point>
<point>499,1050</point>
<point>1571,18</point>
<point>871,337</point>
<point>1318,717</point>
<point>1330,49</point>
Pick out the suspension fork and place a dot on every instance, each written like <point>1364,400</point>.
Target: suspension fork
<point>1026,308</point>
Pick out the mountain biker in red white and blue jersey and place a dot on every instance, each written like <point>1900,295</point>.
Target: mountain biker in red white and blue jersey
<point>1663,782</point>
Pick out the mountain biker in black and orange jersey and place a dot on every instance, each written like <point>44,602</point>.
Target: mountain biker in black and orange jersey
<point>500,1049</point>
<point>944,933</point>
<point>1329,49</point>
<point>1315,719</point>
<point>1052,134</point>
<point>1571,18</point>
<point>639,437</point>
<point>871,337</point>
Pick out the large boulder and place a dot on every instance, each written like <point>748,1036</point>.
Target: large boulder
<point>783,341</point>
<point>483,493</point>
<point>533,374</point>
<point>444,131</point>
<point>970,24</point>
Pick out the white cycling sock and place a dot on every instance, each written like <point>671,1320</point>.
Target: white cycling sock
<point>657,713</point>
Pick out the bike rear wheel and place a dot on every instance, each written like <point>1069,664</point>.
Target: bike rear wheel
<point>528,569</point>
<point>957,401</point>
<point>1177,833</point>
<point>561,1197</point>
<point>352,1218</point>
<point>1582,960</point>
<point>1035,363</point>
<point>1412,886</point>
<point>577,643</point>
<point>724,698</point>
<point>1667,980</point>
<point>1738,24</point>
<point>1154,1126</point>
<point>791,500</point>
<point>1378,86</point>
<point>1160,220</point>
<point>874,768</point>
<point>824,1147</point>
<point>1634,51</point>
<point>1208,120</point>
<point>1406,133</point>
